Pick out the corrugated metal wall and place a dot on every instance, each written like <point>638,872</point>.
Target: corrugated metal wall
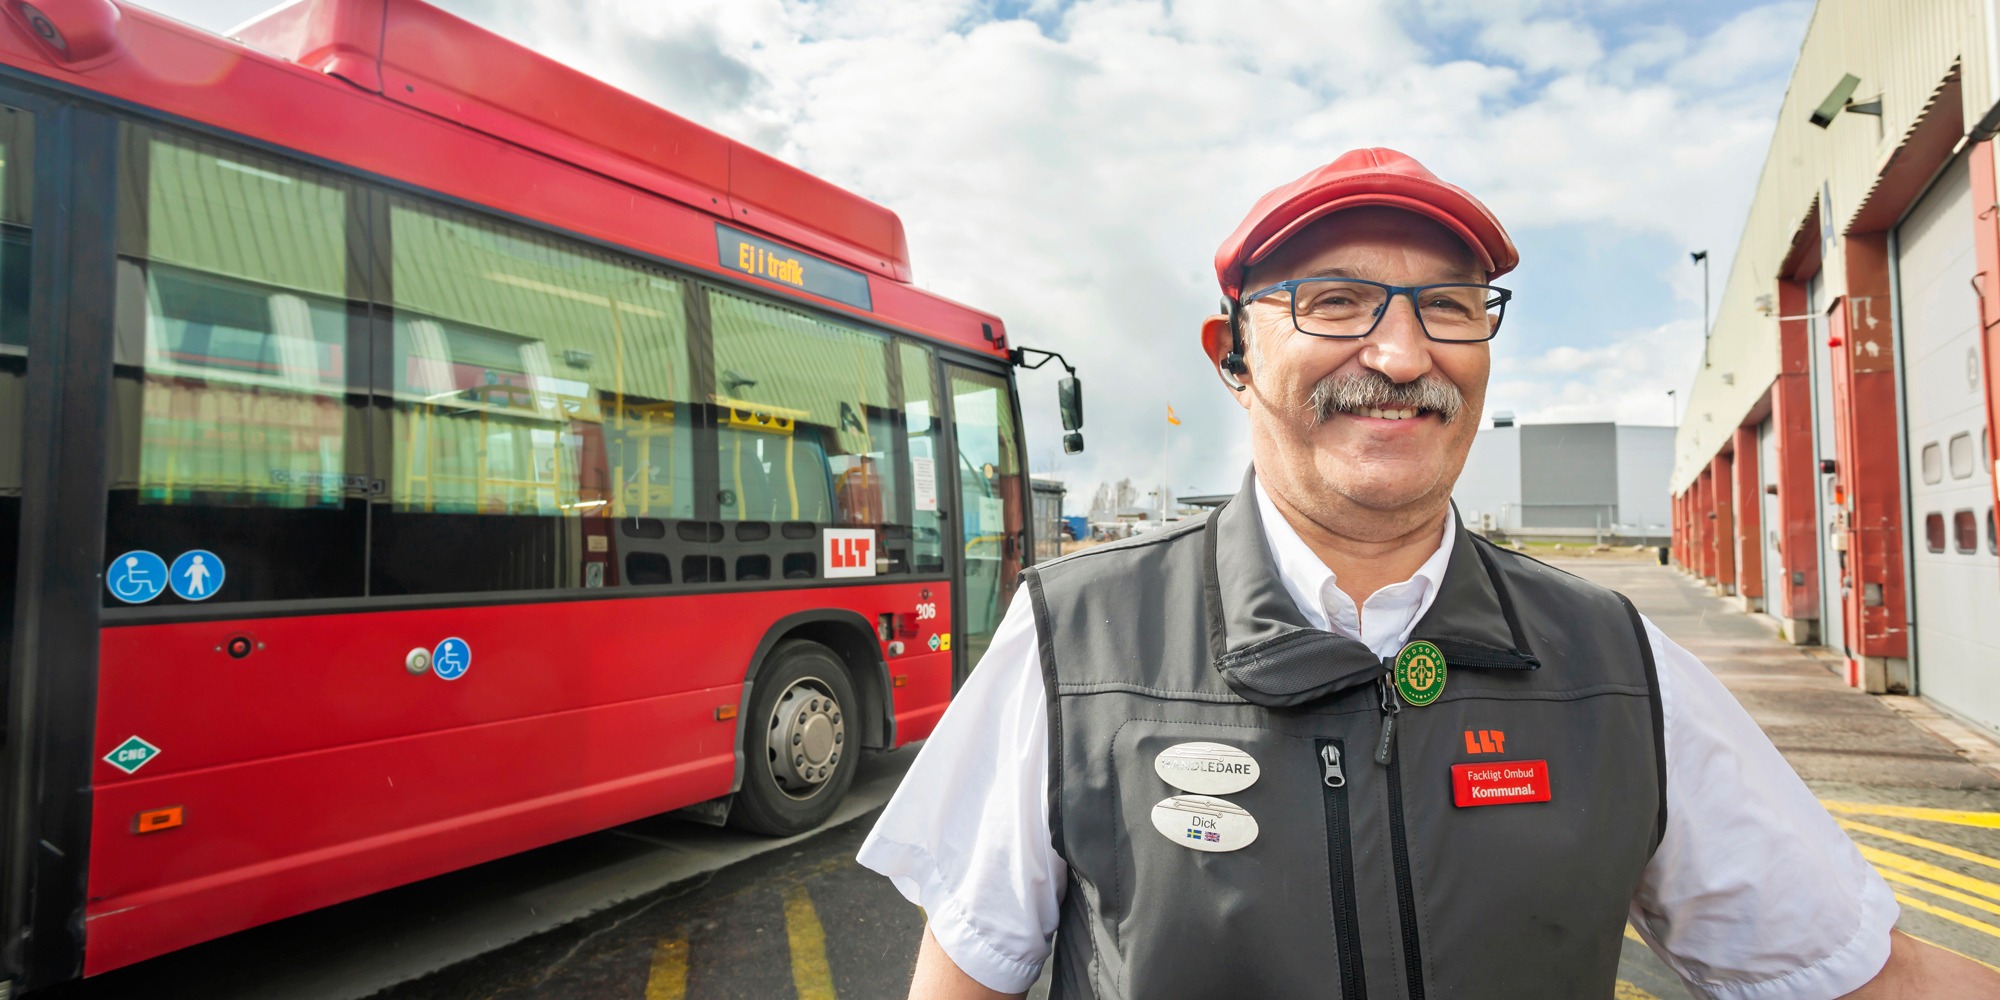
<point>1902,51</point>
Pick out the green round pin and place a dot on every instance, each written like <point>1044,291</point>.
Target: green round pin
<point>1420,673</point>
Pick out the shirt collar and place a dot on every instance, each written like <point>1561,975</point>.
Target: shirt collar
<point>1308,580</point>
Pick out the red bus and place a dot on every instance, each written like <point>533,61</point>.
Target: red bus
<point>413,451</point>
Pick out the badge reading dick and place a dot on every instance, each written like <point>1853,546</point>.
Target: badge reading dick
<point>1205,823</point>
<point>1500,782</point>
<point>1206,768</point>
<point>1420,673</point>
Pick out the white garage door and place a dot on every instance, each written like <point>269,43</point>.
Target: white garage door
<point>1951,498</point>
<point>1767,500</point>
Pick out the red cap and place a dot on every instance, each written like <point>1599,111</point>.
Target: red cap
<point>1362,177</point>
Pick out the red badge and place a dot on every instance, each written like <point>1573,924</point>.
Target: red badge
<point>1500,782</point>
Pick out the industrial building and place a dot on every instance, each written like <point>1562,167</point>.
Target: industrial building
<point>1556,482</point>
<point>1834,468</point>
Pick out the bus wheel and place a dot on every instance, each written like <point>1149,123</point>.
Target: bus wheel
<point>799,747</point>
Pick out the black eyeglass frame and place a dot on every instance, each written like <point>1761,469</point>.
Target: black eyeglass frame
<point>1501,296</point>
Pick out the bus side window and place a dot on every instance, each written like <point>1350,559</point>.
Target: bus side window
<point>232,428</point>
<point>810,438</point>
<point>540,432</point>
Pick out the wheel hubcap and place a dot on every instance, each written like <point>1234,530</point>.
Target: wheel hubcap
<point>808,732</point>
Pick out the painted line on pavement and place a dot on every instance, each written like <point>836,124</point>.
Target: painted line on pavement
<point>1929,845</point>
<point>1634,935</point>
<point>668,979</point>
<point>1952,915</point>
<point>1628,990</point>
<point>1890,859</point>
<point>811,975</point>
<point>1959,817</point>
<point>1937,890</point>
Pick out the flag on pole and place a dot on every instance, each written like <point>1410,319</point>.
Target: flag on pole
<point>1176,421</point>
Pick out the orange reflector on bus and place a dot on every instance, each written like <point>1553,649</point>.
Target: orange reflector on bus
<point>725,713</point>
<point>155,820</point>
<point>902,679</point>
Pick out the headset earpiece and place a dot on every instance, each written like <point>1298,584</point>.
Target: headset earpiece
<point>1232,362</point>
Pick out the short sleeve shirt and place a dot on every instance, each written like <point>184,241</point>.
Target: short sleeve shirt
<point>1754,891</point>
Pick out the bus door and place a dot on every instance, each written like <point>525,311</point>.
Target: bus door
<point>55,361</point>
<point>992,479</point>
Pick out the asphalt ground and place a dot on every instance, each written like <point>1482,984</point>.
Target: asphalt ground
<point>664,910</point>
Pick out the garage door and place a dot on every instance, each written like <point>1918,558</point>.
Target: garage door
<point>1767,500</point>
<point>1951,498</point>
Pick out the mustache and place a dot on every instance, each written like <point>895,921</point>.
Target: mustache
<point>1374,390</point>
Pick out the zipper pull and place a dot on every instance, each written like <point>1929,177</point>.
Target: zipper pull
<point>1392,706</point>
<point>1330,756</point>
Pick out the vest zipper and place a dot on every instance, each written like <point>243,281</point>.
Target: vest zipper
<point>1406,893</point>
<point>1340,866</point>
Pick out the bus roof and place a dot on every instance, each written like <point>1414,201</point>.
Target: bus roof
<point>415,54</point>
<point>341,80</point>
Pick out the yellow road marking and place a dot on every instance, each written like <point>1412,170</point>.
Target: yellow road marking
<point>1939,891</point>
<point>1887,859</point>
<point>1952,915</point>
<point>668,979</point>
<point>1961,817</point>
<point>811,975</point>
<point>1929,845</point>
<point>1634,935</point>
<point>1627,991</point>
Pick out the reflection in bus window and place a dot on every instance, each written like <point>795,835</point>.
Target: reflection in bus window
<point>540,396</point>
<point>17,130</point>
<point>808,430</point>
<point>234,431</point>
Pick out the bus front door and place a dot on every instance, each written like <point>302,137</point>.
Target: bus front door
<point>991,501</point>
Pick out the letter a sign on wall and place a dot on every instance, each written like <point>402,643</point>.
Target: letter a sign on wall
<point>848,552</point>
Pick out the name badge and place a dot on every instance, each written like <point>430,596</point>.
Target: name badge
<point>1500,782</point>
<point>1205,823</point>
<point>1206,768</point>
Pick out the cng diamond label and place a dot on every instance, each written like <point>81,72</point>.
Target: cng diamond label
<point>934,642</point>
<point>131,755</point>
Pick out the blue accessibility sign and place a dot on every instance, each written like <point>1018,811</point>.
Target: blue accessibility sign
<point>196,575</point>
<point>452,658</point>
<point>136,577</point>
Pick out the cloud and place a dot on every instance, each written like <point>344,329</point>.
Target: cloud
<point>1540,46</point>
<point>1073,168</point>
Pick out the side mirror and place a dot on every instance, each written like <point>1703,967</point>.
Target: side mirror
<point>1072,443</point>
<point>1069,399</point>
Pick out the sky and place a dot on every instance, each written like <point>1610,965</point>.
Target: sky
<point>1072,166</point>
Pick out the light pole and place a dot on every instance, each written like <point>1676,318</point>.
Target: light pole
<point>1701,257</point>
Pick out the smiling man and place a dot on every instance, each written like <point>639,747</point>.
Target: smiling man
<point>1327,743</point>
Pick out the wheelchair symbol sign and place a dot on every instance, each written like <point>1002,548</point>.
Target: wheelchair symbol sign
<point>451,659</point>
<point>136,577</point>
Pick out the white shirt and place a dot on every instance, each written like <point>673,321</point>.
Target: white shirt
<point>1754,892</point>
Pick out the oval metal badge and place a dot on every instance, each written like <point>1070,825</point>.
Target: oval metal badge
<point>1205,823</point>
<point>1206,768</point>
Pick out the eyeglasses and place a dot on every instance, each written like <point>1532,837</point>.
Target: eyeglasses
<point>1351,308</point>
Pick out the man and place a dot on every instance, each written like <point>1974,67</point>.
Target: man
<point>1328,743</point>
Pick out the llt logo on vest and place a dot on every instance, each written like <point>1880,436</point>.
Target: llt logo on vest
<point>1485,741</point>
<point>848,552</point>
<point>1500,782</point>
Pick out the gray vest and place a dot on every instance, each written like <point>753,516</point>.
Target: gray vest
<point>1372,882</point>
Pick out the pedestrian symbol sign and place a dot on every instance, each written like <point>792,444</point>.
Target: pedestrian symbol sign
<point>136,577</point>
<point>132,754</point>
<point>196,575</point>
<point>452,658</point>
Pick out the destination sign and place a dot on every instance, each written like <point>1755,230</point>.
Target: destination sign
<point>760,257</point>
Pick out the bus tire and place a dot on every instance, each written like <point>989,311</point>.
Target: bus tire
<point>800,744</point>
